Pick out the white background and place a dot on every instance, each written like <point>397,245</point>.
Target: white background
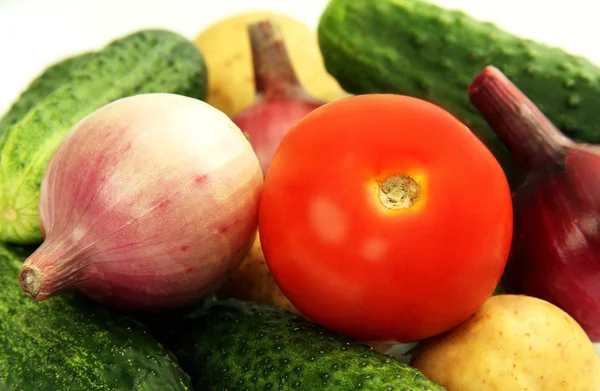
<point>35,33</point>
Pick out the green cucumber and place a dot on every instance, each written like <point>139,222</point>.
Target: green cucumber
<point>143,62</point>
<point>71,343</point>
<point>415,48</point>
<point>49,80</point>
<point>236,345</point>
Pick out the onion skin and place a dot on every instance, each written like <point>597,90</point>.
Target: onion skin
<point>266,125</point>
<point>281,101</point>
<point>148,203</point>
<point>555,252</point>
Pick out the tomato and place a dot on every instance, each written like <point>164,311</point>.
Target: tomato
<point>383,217</point>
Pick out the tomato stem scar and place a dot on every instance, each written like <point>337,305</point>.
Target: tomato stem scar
<point>399,191</point>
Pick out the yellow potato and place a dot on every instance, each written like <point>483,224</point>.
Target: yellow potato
<point>514,343</point>
<point>253,281</point>
<point>226,49</point>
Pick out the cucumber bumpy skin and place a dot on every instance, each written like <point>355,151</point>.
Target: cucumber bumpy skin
<point>235,345</point>
<point>415,48</point>
<point>49,80</point>
<point>71,343</point>
<point>143,62</point>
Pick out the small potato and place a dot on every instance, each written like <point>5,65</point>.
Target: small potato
<point>513,343</point>
<point>253,281</point>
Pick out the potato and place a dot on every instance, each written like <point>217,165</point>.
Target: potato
<point>226,49</point>
<point>253,281</point>
<point>514,342</point>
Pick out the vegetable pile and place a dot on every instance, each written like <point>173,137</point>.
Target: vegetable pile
<point>270,207</point>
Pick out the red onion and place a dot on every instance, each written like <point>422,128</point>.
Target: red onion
<point>555,253</point>
<point>147,203</point>
<point>281,100</point>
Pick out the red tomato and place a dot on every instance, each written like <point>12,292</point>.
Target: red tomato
<point>384,218</point>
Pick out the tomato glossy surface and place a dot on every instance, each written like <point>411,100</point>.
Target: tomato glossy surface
<point>362,269</point>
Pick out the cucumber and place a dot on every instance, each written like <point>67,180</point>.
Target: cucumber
<point>415,48</point>
<point>237,345</point>
<point>70,343</point>
<point>49,80</point>
<point>143,62</point>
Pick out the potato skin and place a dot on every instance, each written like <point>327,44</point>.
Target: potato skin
<point>253,281</point>
<point>513,343</point>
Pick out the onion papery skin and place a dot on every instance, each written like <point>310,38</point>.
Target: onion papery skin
<point>147,204</point>
<point>267,123</point>
<point>556,257</point>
